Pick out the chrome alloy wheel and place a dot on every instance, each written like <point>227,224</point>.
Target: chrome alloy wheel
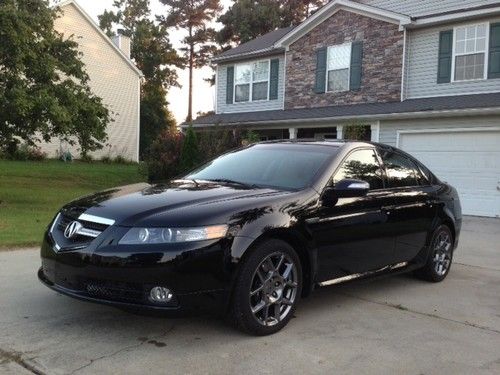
<point>442,253</point>
<point>274,289</point>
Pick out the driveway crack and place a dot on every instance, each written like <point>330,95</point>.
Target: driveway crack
<point>429,315</point>
<point>110,355</point>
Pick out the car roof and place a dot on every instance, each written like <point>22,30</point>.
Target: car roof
<point>325,142</point>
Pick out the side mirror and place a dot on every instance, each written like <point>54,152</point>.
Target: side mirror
<point>347,188</point>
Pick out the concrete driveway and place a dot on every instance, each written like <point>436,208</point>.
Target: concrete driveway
<point>397,325</point>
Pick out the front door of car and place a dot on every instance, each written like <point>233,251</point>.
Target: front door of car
<point>355,234</point>
<point>414,207</point>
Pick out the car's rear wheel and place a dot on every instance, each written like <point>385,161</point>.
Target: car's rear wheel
<point>440,257</point>
<point>267,289</point>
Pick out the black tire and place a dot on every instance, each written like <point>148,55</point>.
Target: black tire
<point>255,273</point>
<point>438,256</point>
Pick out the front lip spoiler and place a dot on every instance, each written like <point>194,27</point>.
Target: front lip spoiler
<point>83,297</point>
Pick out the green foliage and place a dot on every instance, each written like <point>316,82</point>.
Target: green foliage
<point>23,152</point>
<point>248,19</point>
<point>357,131</point>
<point>44,89</point>
<point>251,137</point>
<point>190,156</point>
<point>215,142</point>
<point>199,44</point>
<point>155,57</point>
<point>163,158</point>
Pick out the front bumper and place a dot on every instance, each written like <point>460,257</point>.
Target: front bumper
<point>198,274</point>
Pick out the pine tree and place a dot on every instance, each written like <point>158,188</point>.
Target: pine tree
<point>193,16</point>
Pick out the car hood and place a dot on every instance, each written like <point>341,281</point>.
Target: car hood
<point>179,203</point>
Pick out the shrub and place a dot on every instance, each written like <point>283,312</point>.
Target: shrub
<point>23,152</point>
<point>163,157</point>
<point>216,142</point>
<point>190,155</point>
<point>250,137</point>
<point>86,158</point>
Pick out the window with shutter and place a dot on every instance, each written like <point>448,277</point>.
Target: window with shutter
<point>494,53</point>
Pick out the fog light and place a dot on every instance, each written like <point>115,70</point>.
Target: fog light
<point>160,294</point>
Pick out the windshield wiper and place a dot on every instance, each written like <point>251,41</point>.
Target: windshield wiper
<point>228,181</point>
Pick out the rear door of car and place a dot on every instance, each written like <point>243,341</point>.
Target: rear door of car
<point>413,207</point>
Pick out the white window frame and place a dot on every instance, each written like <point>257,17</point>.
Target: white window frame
<point>486,52</point>
<point>348,68</point>
<point>250,97</point>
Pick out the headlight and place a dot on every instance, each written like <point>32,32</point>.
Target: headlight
<point>137,236</point>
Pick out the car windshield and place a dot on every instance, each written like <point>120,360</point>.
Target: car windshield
<point>286,166</point>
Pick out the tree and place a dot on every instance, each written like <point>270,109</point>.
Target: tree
<point>154,55</point>
<point>193,16</point>
<point>189,155</point>
<point>44,89</point>
<point>248,19</point>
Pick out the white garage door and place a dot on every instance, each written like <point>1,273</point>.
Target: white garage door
<point>468,160</point>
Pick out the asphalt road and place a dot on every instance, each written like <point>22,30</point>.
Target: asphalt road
<point>397,325</point>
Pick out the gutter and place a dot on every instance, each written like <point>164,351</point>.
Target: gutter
<point>386,116</point>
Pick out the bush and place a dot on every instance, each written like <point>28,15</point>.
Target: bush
<point>86,158</point>
<point>23,152</point>
<point>190,156</point>
<point>163,158</point>
<point>216,142</point>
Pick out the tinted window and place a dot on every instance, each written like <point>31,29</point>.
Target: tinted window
<point>401,171</point>
<point>281,166</point>
<point>361,165</point>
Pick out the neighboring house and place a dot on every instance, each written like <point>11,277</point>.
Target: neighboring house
<point>421,75</point>
<point>113,77</point>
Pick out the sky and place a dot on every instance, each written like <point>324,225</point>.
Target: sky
<point>203,94</point>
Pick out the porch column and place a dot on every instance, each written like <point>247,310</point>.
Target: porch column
<point>375,128</point>
<point>340,132</point>
<point>293,133</point>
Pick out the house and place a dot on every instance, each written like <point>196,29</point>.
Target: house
<point>113,77</point>
<point>421,75</point>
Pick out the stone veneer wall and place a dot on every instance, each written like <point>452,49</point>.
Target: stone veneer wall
<point>382,62</point>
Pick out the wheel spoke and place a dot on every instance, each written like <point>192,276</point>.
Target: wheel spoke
<point>277,311</point>
<point>280,262</point>
<point>258,307</point>
<point>288,271</point>
<point>270,265</point>
<point>257,290</point>
<point>286,302</point>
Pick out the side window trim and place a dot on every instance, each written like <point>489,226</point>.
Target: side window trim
<point>416,169</point>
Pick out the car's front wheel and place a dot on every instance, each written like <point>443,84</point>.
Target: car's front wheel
<point>440,257</point>
<point>267,289</point>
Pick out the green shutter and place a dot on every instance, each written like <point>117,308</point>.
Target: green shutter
<point>320,85</point>
<point>274,80</point>
<point>445,56</point>
<point>230,85</point>
<point>356,66</point>
<point>494,54</point>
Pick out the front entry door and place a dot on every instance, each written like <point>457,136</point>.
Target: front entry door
<point>355,235</point>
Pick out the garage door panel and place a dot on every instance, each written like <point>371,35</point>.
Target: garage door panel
<point>468,160</point>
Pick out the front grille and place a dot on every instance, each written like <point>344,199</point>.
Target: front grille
<point>114,291</point>
<point>89,231</point>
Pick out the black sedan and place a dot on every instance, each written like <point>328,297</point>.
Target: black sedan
<point>253,231</point>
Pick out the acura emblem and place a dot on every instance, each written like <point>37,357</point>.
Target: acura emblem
<point>72,229</point>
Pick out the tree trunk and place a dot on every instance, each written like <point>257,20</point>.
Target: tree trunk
<point>189,117</point>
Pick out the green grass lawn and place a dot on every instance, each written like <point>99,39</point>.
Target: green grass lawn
<point>32,192</point>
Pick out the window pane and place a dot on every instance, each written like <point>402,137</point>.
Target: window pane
<point>460,47</point>
<point>481,31</point>
<point>460,33</point>
<point>469,67</point>
<point>470,46</point>
<point>260,91</point>
<point>471,32</point>
<point>242,93</point>
<point>339,57</point>
<point>261,71</point>
<point>361,165</point>
<point>243,73</point>
<point>480,44</point>
<point>401,171</point>
<point>338,80</point>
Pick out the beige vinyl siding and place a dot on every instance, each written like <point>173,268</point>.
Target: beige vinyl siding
<point>112,79</point>
<point>421,68</point>
<point>416,8</point>
<point>264,105</point>
<point>390,128</point>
